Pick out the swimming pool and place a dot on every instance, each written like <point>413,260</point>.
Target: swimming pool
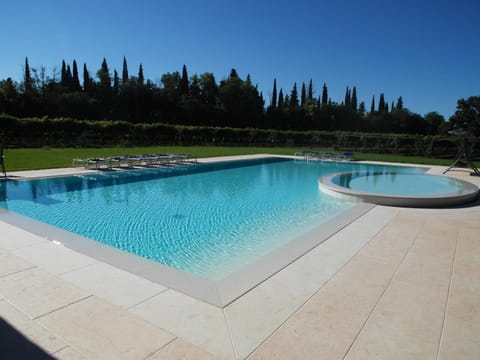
<point>209,220</point>
<point>401,189</point>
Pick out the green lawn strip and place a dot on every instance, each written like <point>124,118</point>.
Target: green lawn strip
<point>48,158</point>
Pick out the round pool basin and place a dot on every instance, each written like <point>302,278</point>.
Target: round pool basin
<point>400,189</point>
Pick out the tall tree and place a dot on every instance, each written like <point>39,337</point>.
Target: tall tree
<point>124,71</point>
<point>381,103</point>
<point>233,74</point>
<point>195,91</point>
<point>324,94</point>
<point>354,98</point>
<point>209,89</point>
<point>280,99</point>
<point>87,80</point>
<point>69,77</point>
<point>399,103</point>
<point>392,107</point>
<point>294,97</point>
<point>372,107</point>
<point>310,90</point>
<point>105,82</point>
<point>184,84</point>
<point>141,78</point>
<point>435,121</point>
<point>116,85</point>
<point>361,108</point>
<point>273,105</point>
<point>467,115</point>
<point>303,95</point>
<point>27,78</point>
<point>75,79</point>
<point>63,74</point>
<point>348,98</point>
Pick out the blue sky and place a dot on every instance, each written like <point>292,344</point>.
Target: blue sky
<point>428,52</point>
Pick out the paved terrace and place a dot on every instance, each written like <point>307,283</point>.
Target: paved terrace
<point>395,284</point>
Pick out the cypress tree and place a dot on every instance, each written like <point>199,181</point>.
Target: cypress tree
<point>63,74</point>
<point>124,71</point>
<point>273,105</point>
<point>28,82</point>
<point>184,84</point>
<point>68,77</point>
<point>361,108</point>
<point>392,107</point>
<point>347,100</point>
<point>116,85</point>
<point>294,97</point>
<point>104,76</point>
<point>141,79</point>
<point>381,103</point>
<point>324,94</point>
<point>233,74</point>
<point>303,95</point>
<point>399,103</point>
<point>75,79</point>
<point>280,99</point>
<point>87,80</point>
<point>310,90</point>
<point>372,107</point>
<point>354,98</point>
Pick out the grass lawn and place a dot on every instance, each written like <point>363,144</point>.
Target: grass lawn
<point>48,158</point>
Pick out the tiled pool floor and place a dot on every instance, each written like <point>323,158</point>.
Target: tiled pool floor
<point>394,284</point>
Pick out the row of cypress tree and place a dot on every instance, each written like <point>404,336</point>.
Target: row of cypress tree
<point>200,100</point>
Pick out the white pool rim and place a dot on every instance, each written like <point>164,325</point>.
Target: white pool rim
<point>467,194</point>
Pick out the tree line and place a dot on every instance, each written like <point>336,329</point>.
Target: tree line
<point>200,100</point>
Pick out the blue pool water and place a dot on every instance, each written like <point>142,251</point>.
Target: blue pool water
<point>207,219</point>
<point>398,183</point>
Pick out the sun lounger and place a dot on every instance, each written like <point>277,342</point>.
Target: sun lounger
<point>325,156</point>
<point>98,162</point>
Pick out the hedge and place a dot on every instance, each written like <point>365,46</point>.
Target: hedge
<point>66,132</point>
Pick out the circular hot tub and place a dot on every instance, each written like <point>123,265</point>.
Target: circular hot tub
<point>400,189</point>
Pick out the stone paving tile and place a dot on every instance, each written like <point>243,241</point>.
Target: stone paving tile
<point>29,328</point>
<point>10,264</point>
<point>56,259</point>
<point>199,323</point>
<point>115,285</point>
<point>14,238</point>
<point>36,292</point>
<point>460,339</point>
<point>406,324</point>
<point>325,326</point>
<point>257,314</point>
<point>99,330</point>
<point>181,350</point>
<point>68,353</point>
<point>426,270</point>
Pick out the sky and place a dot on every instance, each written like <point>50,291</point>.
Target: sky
<point>428,52</point>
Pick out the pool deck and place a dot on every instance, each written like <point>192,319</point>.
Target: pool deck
<point>397,283</point>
